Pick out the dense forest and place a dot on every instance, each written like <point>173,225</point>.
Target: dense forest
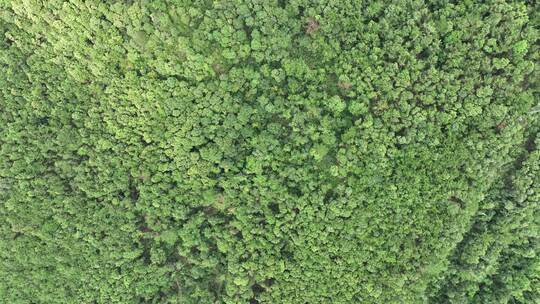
<point>269,151</point>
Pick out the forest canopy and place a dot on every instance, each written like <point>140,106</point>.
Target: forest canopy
<point>269,151</point>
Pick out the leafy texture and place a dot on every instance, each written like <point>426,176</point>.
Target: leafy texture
<point>269,151</point>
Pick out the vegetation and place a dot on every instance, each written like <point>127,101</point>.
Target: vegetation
<point>249,151</point>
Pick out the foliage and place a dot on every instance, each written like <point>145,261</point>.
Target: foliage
<point>176,151</point>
